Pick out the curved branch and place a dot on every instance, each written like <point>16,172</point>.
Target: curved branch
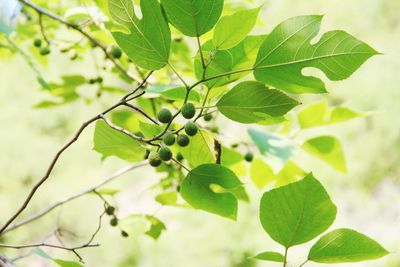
<point>78,195</point>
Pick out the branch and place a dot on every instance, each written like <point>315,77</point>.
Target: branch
<point>77,28</point>
<point>78,195</point>
<point>61,151</point>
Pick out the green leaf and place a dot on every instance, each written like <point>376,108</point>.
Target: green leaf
<point>345,245</point>
<point>172,92</point>
<point>328,149</point>
<point>249,102</point>
<point>272,144</point>
<point>231,30</point>
<point>230,157</point>
<point>261,173</point>
<point>200,149</point>
<point>110,142</point>
<point>289,173</point>
<point>149,41</point>
<point>297,213</point>
<point>241,56</point>
<point>288,49</point>
<point>59,262</point>
<point>270,256</point>
<point>156,227</point>
<point>167,198</point>
<point>193,17</point>
<point>196,190</point>
<point>318,114</point>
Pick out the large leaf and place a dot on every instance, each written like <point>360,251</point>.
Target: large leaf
<point>239,57</point>
<point>288,49</point>
<point>200,149</point>
<point>319,114</point>
<point>249,102</point>
<point>149,41</point>
<point>110,142</point>
<point>297,213</point>
<point>193,17</point>
<point>328,149</point>
<point>196,190</point>
<point>345,245</point>
<point>231,30</point>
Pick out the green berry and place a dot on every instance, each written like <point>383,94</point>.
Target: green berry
<point>99,79</point>
<point>214,129</point>
<point>179,156</point>
<point>116,52</point>
<point>154,159</point>
<point>114,222</point>
<point>169,139</point>
<point>165,153</point>
<point>72,55</point>
<point>44,51</point>
<point>164,116</point>
<point>191,128</point>
<point>188,111</point>
<point>249,157</point>
<point>124,234</point>
<point>92,81</point>
<point>234,145</point>
<point>37,42</point>
<point>208,117</point>
<point>110,210</point>
<point>183,140</point>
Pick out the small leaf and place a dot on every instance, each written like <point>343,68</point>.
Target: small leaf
<point>289,173</point>
<point>345,245</point>
<point>328,149</point>
<point>231,30</point>
<point>156,227</point>
<point>297,213</point>
<point>230,157</point>
<point>250,102</point>
<point>167,198</point>
<point>145,46</point>
<point>200,149</point>
<point>261,173</point>
<point>110,142</point>
<point>196,190</point>
<point>288,49</point>
<point>270,256</point>
<point>193,18</point>
<point>318,114</point>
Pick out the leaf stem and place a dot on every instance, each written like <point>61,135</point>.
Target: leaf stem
<point>285,257</point>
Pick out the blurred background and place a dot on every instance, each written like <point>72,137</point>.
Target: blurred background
<point>368,196</point>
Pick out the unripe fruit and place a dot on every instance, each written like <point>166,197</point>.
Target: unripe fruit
<point>99,79</point>
<point>124,234</point>
<point>208,117</point>
<point>191,128</point>
<point>114,222</point>
<point>183,140</point>
<point>110,210</point>
<point>179,156</point>
<point>164,115</point>
<point>116,52</point>
<point>72,55</point>
<point>165,153</point>
<point>188,111</point>
<point>154,159</point>
<point>37,42</point>
<point>249,157</point>
<point>169,139</point>
<point>92,81</point>
<point>214,129</point>
<point>44,51</point>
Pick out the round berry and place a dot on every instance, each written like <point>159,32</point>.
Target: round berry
<point>249,157</point>
<point>154,159</point>
<point>164,116</point>
<point>165,153</point>
<point>114,222</point>
<point>99,79</point>
<point>116,52</point>
<point>183,140</point>
<point>179,156</point>
<point>37,42</point>
<point>124,234</point>
<point>208,117</point>
<point>169,139</point>
<point>188,111</point>
<point>214,129</point>
<point>110,210</point>
<point>44,51</point>
<point>72,55</point>
<point>191,128</point>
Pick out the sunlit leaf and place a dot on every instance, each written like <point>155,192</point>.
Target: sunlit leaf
<point>270,256</point>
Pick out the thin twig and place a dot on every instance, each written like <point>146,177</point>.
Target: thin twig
<point>78,195</point>
<point>141,112</point>
<point>42,29</point>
